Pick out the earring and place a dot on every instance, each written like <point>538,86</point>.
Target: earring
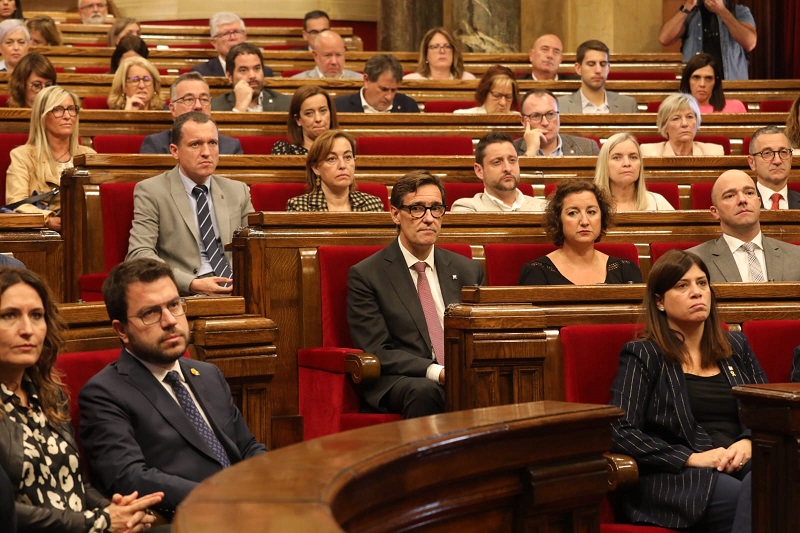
<point>318,182</point>
<point>660,307</point>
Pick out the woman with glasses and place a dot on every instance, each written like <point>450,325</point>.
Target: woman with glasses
<point>439,58</point>
<point>311,114</point>
<point>678,120</point>
<point>577,216</point>
<point>136,87</point>
<point>330,178</point>
<point>701,78</point>
<point>36,166</point>
<point>33,73</point>
<point>129,46</point>
<point>14,43</point>
<point>620,173</point>
<point>122,27</point>
<point>496,93</point>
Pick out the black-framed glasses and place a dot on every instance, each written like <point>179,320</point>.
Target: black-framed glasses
<point>536,118</point>
<point>38,86</point>
<point>152,315</point>
<point>418,211</point>
<point>190,99</point>
<point>59,110</point>
<point>437,47</point>
<point>500,96</point>
<point>767,154</point>
<point>134,80</point>
<point>229,34</point>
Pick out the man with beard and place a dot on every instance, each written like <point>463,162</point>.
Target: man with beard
<point>155,418</point>
<point>94,11</point>
<point>497,166</point>
<point>245,66</point>
<point>542,123</point>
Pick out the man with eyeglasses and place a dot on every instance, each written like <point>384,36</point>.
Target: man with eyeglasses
<point>541,120</point>
<point>189,92</point>
<point>227,30</point>
<point>328,52</point>
<point>382,75</point>
<point>94,12</point>
<point>245,66</point>
<point>154,418</point>
<point>771,159</point>
<point>314,23</point>
<point>743,253</point>
<point>397,298</point>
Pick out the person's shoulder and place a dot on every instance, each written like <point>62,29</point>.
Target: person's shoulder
<point>470,204</point>
<point>787,246</point>
<point>414,76</point>
<point>534,203</point>
<point>351,75</point>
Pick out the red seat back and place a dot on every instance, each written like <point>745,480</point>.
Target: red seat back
<point>376,189</point>
<point>773,342</point>
<point>641,75</point>
<point>273,196</point>
<point>701,195</point>
<point>8,141</point>
<point>117,204</point>
<point>657,249</point>
<point>775,106</point>
<point>94,102</point>
<point>258,144</point>
<point>652,107</point>
<point>448,106</point>
<point>118,144</point>
<point>668,190</point>
<point>415,145</point>
<point>3,100</point>
<point>455,190</point>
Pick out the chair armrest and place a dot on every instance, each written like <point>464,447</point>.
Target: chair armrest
<point>362,367</point>
<point>622,470</point>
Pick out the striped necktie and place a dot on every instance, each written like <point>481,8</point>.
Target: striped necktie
<point>435,330</point>
<point>209,239</point>
<point>756,272</point>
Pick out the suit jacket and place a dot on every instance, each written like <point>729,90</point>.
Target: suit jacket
<point>272,101</point>
<point>570,145</point>
<point>158,143</point>
<point>793,199</point>
<point>351,103</point>
<point>664,149</point>
<point>617,103</point>
<point>660,432</point>
<point>314,74</point>
<point>137,437</point>
<point>213,67</point>
<point>782,258</point>
<point>482,203</point>
<point>160,203</point>
<point>386,317</point>
<point>795,377</point>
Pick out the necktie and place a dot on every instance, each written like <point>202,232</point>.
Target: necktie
<point>776,198</point>
<point>429,308</point>
<point>756,273</point>
<point>193,414</point>
<point>209,239</point>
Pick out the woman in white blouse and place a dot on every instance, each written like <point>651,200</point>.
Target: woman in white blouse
<point>678,121</point>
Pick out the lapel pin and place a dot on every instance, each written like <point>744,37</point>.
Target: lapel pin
<point>194,372</point>
<point>730,369</point>
<point>455,276</point>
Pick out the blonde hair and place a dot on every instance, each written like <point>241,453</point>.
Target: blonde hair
<point>671,105</point>
<point>601,175</point>
<point>45,101</point>
<point>116,99</point>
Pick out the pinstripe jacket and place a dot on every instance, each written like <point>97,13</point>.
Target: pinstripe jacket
<point>660,432</point>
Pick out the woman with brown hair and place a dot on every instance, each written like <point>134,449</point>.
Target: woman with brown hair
<point>439,58</point>
<point>311,114</point>
<point>497,92</point>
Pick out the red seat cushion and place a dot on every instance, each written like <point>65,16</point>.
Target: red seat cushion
<point>701,195</point>
<point>415,145</point>
<point>259,145</point>
<point>77,368</point>
<point>448,106</point>
<point>668,190</point>
<point>775,106</point>
<point>273,196</point>
<point>94,102</point>
<point>773,342</point>
<point>8,141</point>
<point>118,144</point>
<point>376,189</point>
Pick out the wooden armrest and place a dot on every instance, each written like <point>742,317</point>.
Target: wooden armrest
<point>622,470</point>
<point>362,367</point>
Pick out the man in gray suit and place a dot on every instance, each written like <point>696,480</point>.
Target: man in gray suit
<point>245,66</point>
<point>497,166</point>
<point>540,117</point>
<point>592,66</point>
<point>742,253</point>
<point>166,210</point>
<point>397,298</point>
<point>771,159</point>
<point>328,51</point>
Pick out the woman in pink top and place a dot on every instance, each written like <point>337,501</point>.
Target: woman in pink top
<point>701,78</point>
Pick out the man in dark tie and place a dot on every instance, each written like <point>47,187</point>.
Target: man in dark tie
<point>186,215</point>
<point>397,298</point>
<point>155,418</point>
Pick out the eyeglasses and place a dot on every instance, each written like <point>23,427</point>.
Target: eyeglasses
<point>316,32</point>
<point>189,100</point>
<point>229,34</point>
<point>154,314</point>
<point>92,7</point>
<point>768,154</point>
<point>38,86</point>
<point>438,47</point>
<point>418,211</point>
<point>500,96</point>
<point>134,80</point>
<point>536,118</point>
<point>59,110</point>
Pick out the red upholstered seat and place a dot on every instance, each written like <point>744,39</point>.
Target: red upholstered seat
<point>701,195</point>
<point>448,106</point>
<point>415,145</point>
<point>376,189</point>
<point>259,144</point>
<point>773,342</point>
<point>668,190</point>
<point>652,107</point>
<point>117,144</point>
<point>8,141</point>
<point>273,196</point>
<point>775,106</point>
<point>657,249</point>
<point>455,190</point>
<point>94,102</point>
<point>3,100</point>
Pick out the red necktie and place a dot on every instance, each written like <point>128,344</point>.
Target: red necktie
<point>776,198</point>
<point>429,308</point>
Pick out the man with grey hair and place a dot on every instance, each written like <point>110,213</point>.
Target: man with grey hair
<point>382,74</point>
<point>771,159</point>
<point>328,51</point>
<point>227,30</point>
<point>94,11</point>
<point>189,92</point>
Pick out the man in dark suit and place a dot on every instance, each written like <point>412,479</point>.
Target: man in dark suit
<point>545,56</point>
<point>245,66</point>
<point>382,74</point>
<point>771,159</point>
<point>542,122</point>
<point>397,298</point>
<point>227,30</point>
<point>189,92</point>
<point>155,420</point>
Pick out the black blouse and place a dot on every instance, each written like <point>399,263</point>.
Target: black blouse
<point>714,407</point>
<point>542,271</point>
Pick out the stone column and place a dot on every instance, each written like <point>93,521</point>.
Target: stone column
<point>491,26</point>
<point>401,25</point>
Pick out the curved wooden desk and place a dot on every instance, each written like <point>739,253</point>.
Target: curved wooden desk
<point>508,468</point>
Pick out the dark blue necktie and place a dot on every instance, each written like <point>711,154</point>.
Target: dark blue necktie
<point>194,416</point>
<point>213,249</point>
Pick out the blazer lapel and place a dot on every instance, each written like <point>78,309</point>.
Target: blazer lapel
<point>723,259</point>
<point>449,282</point>
<point>182,204</point>
<point>398,275</point>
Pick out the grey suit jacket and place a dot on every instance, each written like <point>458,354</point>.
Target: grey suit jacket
<point>617,103</point>
<point>165,226</point>
<point>158,143</point>
<point>570,145</point>
<point>782,258</point>
<point>386,317</point>
<point>272,101</point>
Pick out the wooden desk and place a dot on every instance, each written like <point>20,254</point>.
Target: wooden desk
<point>511,468</point>
<point>41,249</point>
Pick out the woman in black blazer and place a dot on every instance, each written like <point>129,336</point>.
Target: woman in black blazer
<point>681,423</point>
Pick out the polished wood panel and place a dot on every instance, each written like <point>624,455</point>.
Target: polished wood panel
<point>41,249</point>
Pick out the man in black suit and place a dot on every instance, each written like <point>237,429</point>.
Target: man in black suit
<point>771,159</point>
<point>189,92</point>
<point>245,66</point>
<point>155,418</point>
<point>382,74</point>
<point>397,298</point>
<point>227,30</point>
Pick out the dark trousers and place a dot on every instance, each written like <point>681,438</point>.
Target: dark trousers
<point>730,506</point>
<point>414,397</point>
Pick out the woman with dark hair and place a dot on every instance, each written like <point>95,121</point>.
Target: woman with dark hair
<point>701,79</point>
<point>330,178</point>
<point>34,72</point>
<point>44,31</point>
<point>793,126</point>
<point>122,27</point>
<point>681,420</point>
<point>37,447</point>
<point>577,216</point>
<point>439,58</point>
<point>11,9</point>
<point>129,46</point>
<point>497,92</point>
<point>311,114</point>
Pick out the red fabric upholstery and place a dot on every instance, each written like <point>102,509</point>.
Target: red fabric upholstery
<point>775,106</point>
<point>8,141</point>
<point>92,70</point>
<point>94,102</point>
<point>259,144</point>
<point>641,75</point>
<point>448,106</point>
<point>701,195</point>
<point>291,72</point>
<point>273,196</point>
<point>3,100</point>
<point>376,189</point>
<point>652,107</point>
<point>657,249</point>
<point>117,144</point>
<point>773,342</point>
<point>668,190</point>
<point>746,145</point>
<point>415,145</point>
<point>455,190</point>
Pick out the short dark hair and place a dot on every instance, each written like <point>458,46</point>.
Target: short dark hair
<point>177,127</point>
<point>592,44</point>
<point>493,137</point>
<point>32,63</point>
<point>552,215</point>
<point>146,270</point>
<point>316,14</point>
<point>380,63</point>
<point>129,43</point>
<point>410,182</point>
<point>186,76</point>
<point>538,93</point>
<point>240,50</point>
<point>717,99</point>
<point>766,130</point>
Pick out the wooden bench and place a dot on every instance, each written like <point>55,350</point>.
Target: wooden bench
<point>41,249</point>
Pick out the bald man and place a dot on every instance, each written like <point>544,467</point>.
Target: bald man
<point>735,203</point>
<point>545,56</point>
<point>329,57</point>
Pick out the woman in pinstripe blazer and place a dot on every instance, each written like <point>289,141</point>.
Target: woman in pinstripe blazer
<point>681,422</point>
